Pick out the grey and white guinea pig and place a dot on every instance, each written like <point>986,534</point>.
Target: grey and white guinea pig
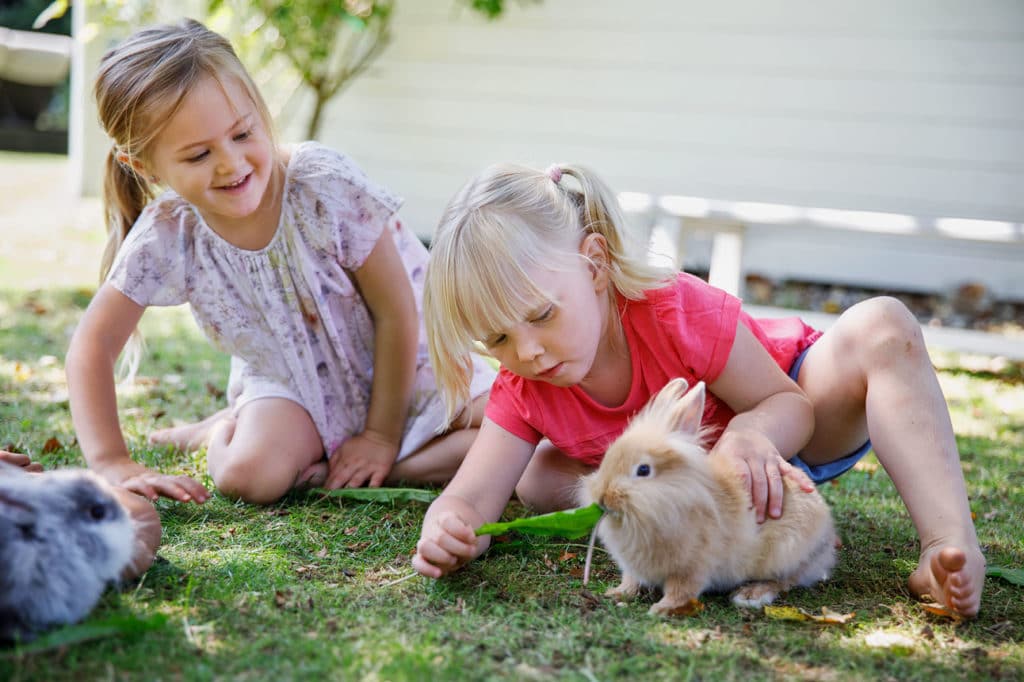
<point>64,537</point>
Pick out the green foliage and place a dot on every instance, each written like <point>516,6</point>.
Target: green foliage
<point>491,9</point>
<point>25,15</point>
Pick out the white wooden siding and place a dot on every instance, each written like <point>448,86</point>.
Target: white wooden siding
<point>913,107</point>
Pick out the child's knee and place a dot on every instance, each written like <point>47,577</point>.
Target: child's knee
<point>241,477</point>
<point>888,331</point>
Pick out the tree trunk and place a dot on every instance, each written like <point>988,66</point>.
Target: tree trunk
<point>313,129</point>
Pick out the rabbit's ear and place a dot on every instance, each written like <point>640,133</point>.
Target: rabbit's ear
<point>682,409</point>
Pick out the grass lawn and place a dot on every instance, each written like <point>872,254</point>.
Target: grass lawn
<point>311,588</point>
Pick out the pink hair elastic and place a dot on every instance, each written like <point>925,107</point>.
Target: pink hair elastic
<point>555,173</point>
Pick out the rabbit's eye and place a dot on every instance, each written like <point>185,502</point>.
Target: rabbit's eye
<point>28,531</point>
<point>98,512</point>
<point>643,470</point>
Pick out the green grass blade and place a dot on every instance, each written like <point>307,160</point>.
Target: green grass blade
<point>380,494</point>
<point>88,631</point>
<point>571,524</point>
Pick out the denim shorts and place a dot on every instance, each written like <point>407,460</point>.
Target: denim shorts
<point>819,473</point>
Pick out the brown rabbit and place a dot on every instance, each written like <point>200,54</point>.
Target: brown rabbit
<point>680,519</point>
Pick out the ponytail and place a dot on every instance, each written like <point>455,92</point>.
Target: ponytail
<point>125,194</point>
<point>599,213</point>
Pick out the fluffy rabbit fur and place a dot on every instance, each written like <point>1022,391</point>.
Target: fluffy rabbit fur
<point>63,538</point>
<point>679,519</point>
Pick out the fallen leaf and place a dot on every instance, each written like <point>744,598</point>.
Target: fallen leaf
<point>785,613</point>
<point>566,556</point>
<point>380,494</point>
<point>830,617</point>
<point>1010,575</point>
<point>22,373</point>
<point>690,608</point>
<point>827,616</point>
<point>896,642</point>
<point>941,610</point>
<point>51,445</point>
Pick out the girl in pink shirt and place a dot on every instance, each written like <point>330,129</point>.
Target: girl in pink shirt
<point>533,266</point>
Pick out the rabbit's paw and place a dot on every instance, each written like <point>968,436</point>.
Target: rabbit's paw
<point>673,607</point>
<point>756,595</point>
<point>625,591</point>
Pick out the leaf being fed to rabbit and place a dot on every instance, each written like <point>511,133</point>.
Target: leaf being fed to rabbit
<point>679,519</point>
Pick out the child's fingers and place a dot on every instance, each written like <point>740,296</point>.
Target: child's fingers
<point>775,491</point>
<point>798,476</point>
<point>425,568</point>
<point>140,487</point>
<point>758,489</point>
<point>193,488</point>
<point>459,529</point>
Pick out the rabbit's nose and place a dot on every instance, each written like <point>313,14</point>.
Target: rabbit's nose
<point>611,500</point>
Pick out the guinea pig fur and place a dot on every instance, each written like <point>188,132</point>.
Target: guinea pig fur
<point>680,519</point>
<point>64,538</point>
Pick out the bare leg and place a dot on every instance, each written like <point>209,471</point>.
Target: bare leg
<point>269,449</point>
<point>871,373</point>
<point>438,460</point>
<point>550,480</point>
<point>189,437</point>
<point>435,462</point>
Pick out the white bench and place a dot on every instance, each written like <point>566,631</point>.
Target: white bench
<point>665,222</point>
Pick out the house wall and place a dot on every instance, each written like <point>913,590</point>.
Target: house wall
<point>913,108</point>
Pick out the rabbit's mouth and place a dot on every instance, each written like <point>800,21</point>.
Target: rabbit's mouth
<point>611,512</point>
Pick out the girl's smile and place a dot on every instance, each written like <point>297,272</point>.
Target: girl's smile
<point>215,153</point>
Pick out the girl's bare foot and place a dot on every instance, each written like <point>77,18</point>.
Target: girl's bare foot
<point>188,437</point>
<point>314,476</point>
<point>951,577</point>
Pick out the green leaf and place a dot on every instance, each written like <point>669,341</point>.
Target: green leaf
<point>1010,575</point>
<point>380,494</point>
<point>571,524</point>
<point>92,629</point>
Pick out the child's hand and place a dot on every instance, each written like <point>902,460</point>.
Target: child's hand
<point>762,468</point>
<point>19,460</point>
<point>447,542</point>
<point>364,459</point>
<point>153,484</point>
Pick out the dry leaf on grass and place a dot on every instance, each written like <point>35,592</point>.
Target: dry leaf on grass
<point>690,608</point>
<point>827,616</point>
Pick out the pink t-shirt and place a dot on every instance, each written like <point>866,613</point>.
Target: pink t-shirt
<point>684,329</point>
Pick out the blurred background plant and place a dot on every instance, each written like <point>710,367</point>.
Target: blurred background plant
<point>315,45</point>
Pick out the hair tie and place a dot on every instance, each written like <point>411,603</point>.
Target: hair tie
<point>554,172</point>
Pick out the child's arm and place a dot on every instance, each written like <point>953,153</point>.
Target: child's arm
<point>98,339</point>
<point>368,457</point>
<point>477,495</point>
<point>774,420</point>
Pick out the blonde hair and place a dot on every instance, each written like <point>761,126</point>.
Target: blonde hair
<point>508,220</point>
<point>140,85</point>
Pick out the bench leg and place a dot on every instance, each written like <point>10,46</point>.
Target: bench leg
<point>726,269</point>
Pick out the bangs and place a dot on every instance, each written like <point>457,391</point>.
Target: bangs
<point>489,281</point>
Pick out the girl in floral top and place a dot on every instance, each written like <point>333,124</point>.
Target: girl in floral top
<point>292,261</point>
